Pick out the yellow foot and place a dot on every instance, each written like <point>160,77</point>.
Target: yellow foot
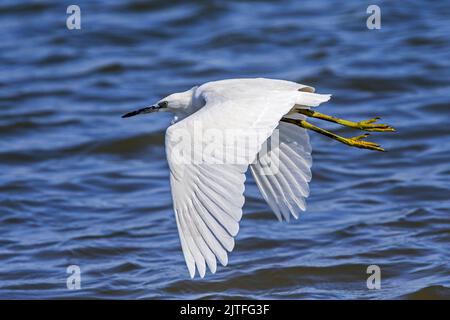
<point>358,142</point>
<point>370,125</point>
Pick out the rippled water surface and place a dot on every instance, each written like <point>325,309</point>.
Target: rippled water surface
<point>79,185</point>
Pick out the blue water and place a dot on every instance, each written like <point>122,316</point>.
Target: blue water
<point>81,186</point>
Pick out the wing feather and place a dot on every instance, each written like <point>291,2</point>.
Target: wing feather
<point>285,191</point>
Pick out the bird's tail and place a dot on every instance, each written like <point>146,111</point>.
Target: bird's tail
<point>311,99</point>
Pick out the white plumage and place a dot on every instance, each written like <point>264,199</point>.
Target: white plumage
<point>208,197</point>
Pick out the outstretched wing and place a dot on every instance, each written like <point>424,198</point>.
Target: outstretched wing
<point>207,179</point>
<point>285,190</point>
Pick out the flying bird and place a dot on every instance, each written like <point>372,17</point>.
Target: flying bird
<point>207,192</point>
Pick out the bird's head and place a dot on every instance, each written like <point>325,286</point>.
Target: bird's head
<point>177,103</point>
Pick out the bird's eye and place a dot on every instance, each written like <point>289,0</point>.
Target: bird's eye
<point>163,104</point>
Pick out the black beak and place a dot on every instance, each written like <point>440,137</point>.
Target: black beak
<point>141,111</point>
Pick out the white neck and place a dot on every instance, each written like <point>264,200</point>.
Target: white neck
<point>195,103</point>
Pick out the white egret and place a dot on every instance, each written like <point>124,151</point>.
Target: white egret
<point>208,196</point>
